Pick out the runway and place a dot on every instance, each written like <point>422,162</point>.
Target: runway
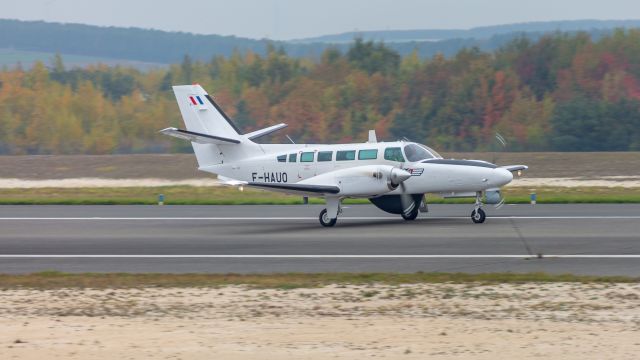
<point>580,239</point>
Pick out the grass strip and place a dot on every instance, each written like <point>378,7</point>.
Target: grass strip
<point>58,280</point>
<point>191,195</point>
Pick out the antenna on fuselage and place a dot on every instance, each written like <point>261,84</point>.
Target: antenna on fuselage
<point>372,137</point>
<point>293,142</point>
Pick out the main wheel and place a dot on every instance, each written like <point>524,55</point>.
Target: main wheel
<point>324,219</point>
<point>478,216</point>
<point>412,215</point>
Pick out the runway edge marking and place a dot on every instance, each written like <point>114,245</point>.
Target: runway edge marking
<point>302,256</point>
<point>303,218</point>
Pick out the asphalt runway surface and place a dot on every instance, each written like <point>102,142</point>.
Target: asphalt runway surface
<point>580,239</point>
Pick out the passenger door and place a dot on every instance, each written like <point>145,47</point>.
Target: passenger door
<point>307,165</point>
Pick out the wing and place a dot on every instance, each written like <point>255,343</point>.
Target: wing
<point>266,131</point>
<point>198,137</point>
<point>298,189</point>
<point>513,168</point>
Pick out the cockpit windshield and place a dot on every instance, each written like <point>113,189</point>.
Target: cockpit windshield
<point>416,152</point>
<point>433,152</point>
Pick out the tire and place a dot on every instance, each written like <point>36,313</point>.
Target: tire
<point>324,219</point>
<point>478,217</point>
<point>412,215</point>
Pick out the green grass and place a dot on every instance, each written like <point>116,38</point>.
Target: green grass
<point>190,195</point>
<point>58,280</point>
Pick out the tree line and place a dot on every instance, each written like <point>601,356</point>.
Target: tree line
<point>563,92</point>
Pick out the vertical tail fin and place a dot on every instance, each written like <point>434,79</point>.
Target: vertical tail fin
<point>202,115</point>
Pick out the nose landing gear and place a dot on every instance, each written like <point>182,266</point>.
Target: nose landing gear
<point>477,215</point>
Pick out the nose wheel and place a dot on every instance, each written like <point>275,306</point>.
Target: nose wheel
<point>477,215</point>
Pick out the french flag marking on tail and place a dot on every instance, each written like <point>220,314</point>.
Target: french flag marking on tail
<point>196,100</point>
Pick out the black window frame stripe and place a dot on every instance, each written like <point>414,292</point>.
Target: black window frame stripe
<point>322,189</point>
<point>460,162</point>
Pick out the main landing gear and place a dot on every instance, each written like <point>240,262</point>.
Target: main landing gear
<point>477,215</point>
<point>325,220</point>
<point>329,216</point>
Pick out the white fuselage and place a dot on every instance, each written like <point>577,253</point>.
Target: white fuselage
<point>393,175</point>
<point>297,163</point>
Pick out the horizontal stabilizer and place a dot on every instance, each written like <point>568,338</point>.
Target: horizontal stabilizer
<point>198,137</point>
<point>303,188</point>
<point>266,131</point>
<point>513,168</point>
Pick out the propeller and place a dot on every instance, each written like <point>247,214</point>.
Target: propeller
<point>405,198</point>
<point>397,177</point>
<point>502,144</point>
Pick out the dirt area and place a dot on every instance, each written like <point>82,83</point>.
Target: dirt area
<point>41,167</point>
<point>409,321</point>
<point>183,166</point>
<point>601,182</point>
<point>590,165</point>
<point>74,183</point>
<point>104,183</point>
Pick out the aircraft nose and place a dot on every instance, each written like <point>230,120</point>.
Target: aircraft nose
<point>502,177</point>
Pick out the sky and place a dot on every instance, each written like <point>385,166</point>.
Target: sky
<point>294,19</point>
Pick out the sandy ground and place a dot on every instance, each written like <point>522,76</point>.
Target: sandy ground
<point>439,321</point>
<point>604,181</point>
<point>102,182</point>
<point>184,166</point>
<point>72,171</point>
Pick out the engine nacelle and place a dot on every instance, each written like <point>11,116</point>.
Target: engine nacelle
<point>368,180</point>
<point>492,196</point>
<point>393,203</point>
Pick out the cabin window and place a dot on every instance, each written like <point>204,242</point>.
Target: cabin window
<point>325,155</point>
<point>346,155</point>
<point>393,154</point>
<point>293,157</point>
<point>369,154</point>
<point>306,157</point>
<point>282,158</point>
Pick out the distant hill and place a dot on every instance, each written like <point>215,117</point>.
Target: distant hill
<point>121,43</point>
<point>484,32</point>
<point>26,59</point>
<point>28,41</point>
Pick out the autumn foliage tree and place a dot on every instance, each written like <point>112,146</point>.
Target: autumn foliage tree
<point>562,92</point>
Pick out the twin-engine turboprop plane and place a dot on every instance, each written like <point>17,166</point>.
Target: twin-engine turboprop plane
<point>394,176</point>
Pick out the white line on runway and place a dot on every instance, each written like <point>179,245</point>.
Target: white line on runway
<point>307,218</point>
<point>165,256</point>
